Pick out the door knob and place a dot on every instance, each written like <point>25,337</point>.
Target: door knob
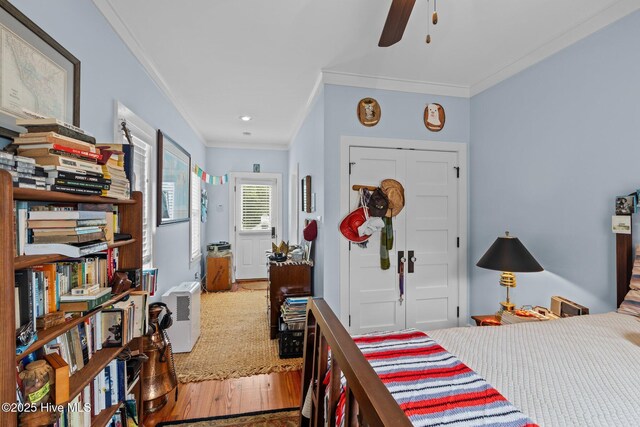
<point>413,259</point>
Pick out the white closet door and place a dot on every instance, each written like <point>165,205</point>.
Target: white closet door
<point>431,193</point>
<point>373,292</point>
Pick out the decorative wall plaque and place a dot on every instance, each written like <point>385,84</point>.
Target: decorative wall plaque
<point>369,112</point>
<point>434,117</point>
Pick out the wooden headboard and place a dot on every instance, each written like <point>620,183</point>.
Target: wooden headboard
<point>624,265</point>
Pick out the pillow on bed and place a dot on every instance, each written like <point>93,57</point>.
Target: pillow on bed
<point>635,272</point>
<point>631,303</point>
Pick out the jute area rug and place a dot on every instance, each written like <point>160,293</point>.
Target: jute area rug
<point>234,340</point>
<point>257,285</point>
<point>278,418</point>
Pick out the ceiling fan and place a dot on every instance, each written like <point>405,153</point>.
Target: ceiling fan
<point>397,19</point>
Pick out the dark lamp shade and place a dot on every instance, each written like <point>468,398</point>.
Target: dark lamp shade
<point>509,254</point>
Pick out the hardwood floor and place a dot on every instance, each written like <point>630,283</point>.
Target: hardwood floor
<point>232,396</point>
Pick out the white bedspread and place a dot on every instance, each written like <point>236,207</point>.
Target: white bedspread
<point>569,372</point>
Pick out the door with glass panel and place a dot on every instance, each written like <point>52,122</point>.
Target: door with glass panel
<point>256,225</point>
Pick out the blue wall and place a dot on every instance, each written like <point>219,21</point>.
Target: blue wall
<point>220,161</point>
<point>110,72</point>
<point>550,149</point>
<point>307,155</point>
<point>402,118</point>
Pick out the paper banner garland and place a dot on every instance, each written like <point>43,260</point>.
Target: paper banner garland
<point>210,179</point>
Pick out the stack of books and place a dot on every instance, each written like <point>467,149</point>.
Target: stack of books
<point>294,312</point>
<point>70,158</point>
<point>50,225</point>
<point>113,169</point>
<point>24,171</point>
<point>72,302</point>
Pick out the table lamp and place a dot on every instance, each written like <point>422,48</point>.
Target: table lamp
<point>508,254</point>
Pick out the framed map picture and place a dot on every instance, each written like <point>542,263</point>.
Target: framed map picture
<point>36,73</point>
<point>174,174</point>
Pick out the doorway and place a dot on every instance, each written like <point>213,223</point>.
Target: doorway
<point>429,291</point>
<point>255,220</point>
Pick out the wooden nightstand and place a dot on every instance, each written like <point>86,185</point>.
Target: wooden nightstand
<point>486,320</point>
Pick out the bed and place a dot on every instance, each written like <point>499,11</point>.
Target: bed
<point>580,371</point>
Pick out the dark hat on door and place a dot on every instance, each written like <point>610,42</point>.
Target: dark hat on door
<point>350,223</point>
<point>378,203</point>
<point>395,195</point>
<point>310,232</point>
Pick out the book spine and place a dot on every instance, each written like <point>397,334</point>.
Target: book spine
<point>75,190</point>
<point>80,177</point>
<point>74,153</point>
<point>81,183</point>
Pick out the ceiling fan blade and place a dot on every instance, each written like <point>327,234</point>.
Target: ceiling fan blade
<point>397,19</point>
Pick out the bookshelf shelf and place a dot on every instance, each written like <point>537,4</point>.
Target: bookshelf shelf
<point>26,261</point>
<point>57,196</point>
<point>105,415</point>
<point>44,336</point>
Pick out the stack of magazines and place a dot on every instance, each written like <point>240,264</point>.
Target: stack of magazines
<point>294,312</point>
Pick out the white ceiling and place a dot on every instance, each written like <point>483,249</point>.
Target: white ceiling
<point>218,60</point>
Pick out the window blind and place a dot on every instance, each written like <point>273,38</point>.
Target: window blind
<point>142,182</point>
<point>196,250</point>
<point>256,207</point>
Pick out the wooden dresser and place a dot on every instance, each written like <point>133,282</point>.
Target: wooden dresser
<point>286,279</point>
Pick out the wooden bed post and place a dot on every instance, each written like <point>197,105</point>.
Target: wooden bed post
<point>624,265</point>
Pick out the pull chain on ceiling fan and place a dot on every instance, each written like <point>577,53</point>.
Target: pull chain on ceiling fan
<point>428,39</point>
<point>397,19</point>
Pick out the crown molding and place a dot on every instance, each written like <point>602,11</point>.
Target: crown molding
<point>399,85</point>
<point>589,26</point>
<point>125,34</point>
<point>248,145</point>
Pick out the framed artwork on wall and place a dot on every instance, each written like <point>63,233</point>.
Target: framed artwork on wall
<point>306,193</point>
<point>174,181</point>
<point>37,74</point>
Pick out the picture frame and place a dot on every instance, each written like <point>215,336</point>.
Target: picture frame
<point>112,327</point>
<point>621,224</point>
<point>57,70</point>
<point>306,194</point>
<point>174,181</point>
<point>626,205</point>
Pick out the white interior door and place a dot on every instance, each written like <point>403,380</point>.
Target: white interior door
<point>256,225</point>
<point>431,196</point>
<point>374,293</point>
<point>427,226</point>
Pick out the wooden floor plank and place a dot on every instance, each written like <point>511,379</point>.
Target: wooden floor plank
<point>232,396</point>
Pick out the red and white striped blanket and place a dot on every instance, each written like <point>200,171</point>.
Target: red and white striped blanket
<point>432,386</point>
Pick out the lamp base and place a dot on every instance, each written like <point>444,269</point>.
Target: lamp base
<point>507,306</point>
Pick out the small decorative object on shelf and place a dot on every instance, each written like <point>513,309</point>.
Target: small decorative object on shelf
<point>37,381</point>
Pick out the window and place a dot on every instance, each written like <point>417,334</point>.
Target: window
<point>143,139</point>
<point>196,249</point>
<point>255,207</point>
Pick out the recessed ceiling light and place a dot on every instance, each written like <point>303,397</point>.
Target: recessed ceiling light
<point>245,118</point>
<point>246,133</point>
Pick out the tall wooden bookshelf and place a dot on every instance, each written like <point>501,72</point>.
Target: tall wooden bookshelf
<point>130,256</point>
